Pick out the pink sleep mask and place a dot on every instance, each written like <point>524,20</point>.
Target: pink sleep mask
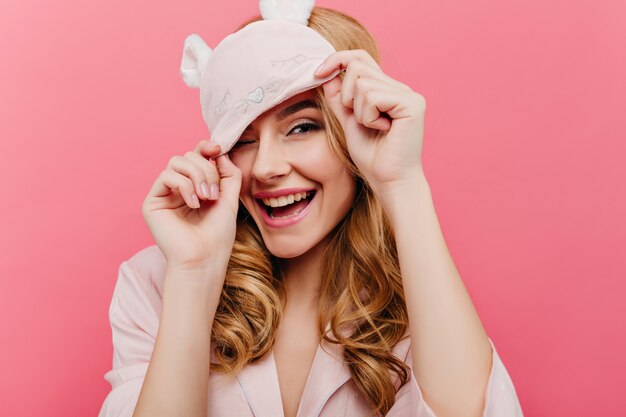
<point>251,71</point>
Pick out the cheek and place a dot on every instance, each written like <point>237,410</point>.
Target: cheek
<point>238,159</point>
<point>316,157</point>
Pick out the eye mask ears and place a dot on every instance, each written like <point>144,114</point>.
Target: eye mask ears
<point>253,70</point>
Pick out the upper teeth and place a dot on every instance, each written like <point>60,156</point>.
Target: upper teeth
<point>283,200</point>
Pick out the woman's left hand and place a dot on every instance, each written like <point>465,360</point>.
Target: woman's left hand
<point>383,119</point>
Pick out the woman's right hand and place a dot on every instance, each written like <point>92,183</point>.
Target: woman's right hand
<point>190,234</point>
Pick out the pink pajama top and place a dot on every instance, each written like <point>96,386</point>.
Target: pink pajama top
<point>329,391</point>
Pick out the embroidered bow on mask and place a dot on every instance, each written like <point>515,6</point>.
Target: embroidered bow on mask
<point>255,68</point>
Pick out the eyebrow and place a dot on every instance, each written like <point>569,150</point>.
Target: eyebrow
<point>294,108</point>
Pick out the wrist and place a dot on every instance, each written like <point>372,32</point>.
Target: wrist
<point>199,264</point>
<point>401,199</point>
<point>394,192</point>
<point>198,289</point>
<point>197,272</point>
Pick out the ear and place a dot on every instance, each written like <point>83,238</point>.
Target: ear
<point>196,55</point>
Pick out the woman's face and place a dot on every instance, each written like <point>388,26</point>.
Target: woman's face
<point>284,156</point>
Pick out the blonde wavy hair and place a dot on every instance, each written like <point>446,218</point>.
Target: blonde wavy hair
<point>361,284</point>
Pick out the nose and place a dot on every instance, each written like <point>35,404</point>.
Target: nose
<point>270,162</point>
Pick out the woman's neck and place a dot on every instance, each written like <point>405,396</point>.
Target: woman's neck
<point>303,276</point>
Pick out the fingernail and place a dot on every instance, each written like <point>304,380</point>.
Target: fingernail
<point>214,192</point>
<point>196,202</point>
<point>204,189</point>
<point>320,68</point>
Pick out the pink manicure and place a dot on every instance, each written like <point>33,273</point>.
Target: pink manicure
<point>214,192</point>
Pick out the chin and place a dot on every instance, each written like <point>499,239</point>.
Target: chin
<point>286,251</point>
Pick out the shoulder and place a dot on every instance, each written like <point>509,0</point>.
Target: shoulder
<point>145,267</point>
<point>402,348</point>
<point>134,316</point>
<point>148,262</point>
<point>140,279</point>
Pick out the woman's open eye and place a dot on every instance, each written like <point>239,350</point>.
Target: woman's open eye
<point>305,128</point>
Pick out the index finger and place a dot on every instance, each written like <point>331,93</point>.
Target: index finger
<point>208,148</point>
<point>341,60</point>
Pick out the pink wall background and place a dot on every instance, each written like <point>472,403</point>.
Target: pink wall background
<point>524,149</point>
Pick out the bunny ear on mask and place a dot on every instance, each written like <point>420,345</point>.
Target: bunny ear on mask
<point>196,54</point>
<point>295,10</point>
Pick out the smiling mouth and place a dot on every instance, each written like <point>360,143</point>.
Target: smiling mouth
<point>284,208</point>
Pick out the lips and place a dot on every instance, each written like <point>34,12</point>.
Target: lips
<point>286,215</point>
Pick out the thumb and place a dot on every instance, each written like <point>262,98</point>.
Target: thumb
<point>230,177</point>
<point>332,93</point>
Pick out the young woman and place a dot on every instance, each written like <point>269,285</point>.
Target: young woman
<point>302,273</point>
